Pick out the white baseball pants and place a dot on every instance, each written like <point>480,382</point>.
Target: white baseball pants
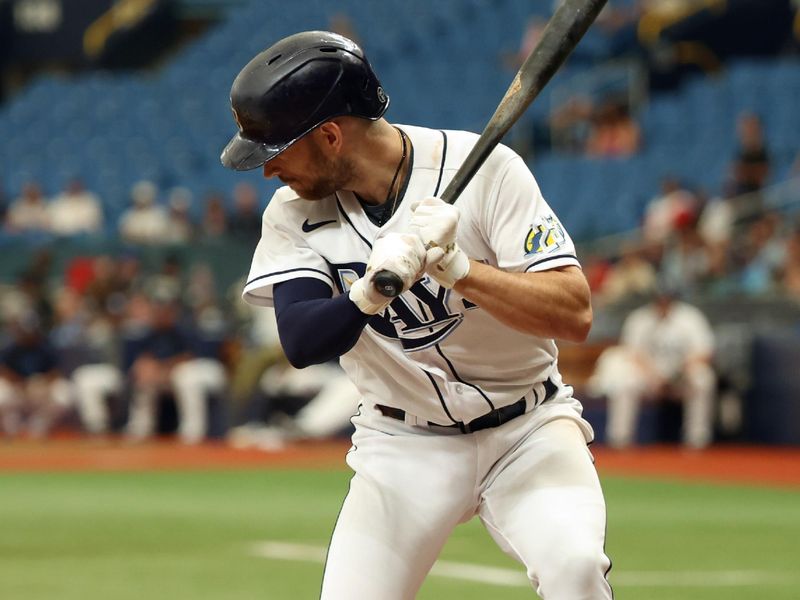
<point>191,381</point>
<point>531,481</point>
<point>93,385</point>
<point>620,378</point>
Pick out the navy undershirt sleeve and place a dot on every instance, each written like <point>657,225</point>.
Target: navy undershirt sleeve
<point>314,327</point>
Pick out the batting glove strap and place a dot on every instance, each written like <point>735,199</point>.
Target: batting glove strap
<point>363,295</point>
<point>450,268</point>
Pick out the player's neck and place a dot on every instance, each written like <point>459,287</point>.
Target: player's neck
<point>381,164</point>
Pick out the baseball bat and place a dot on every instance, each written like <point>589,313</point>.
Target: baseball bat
<point>562,33</point>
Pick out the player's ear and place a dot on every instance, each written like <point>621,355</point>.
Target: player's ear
<point>330,135</point>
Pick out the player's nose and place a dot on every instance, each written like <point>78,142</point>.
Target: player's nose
<point>271,168</point>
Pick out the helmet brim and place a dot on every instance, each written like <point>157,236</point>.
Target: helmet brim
<point>242,154</point>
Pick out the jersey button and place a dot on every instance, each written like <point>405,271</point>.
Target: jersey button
<point>459,388</point>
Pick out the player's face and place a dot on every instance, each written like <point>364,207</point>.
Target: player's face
<point>308,170</point>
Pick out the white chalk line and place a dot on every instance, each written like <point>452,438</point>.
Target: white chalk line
<point>516,578</point>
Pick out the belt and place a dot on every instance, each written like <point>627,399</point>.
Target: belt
<point>493,418</point>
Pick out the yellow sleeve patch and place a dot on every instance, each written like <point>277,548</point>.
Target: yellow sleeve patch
<point>545,235</point>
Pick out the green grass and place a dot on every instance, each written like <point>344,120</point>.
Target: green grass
<point>170,536</point>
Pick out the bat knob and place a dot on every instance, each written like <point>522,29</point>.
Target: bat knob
<point>388,284</point>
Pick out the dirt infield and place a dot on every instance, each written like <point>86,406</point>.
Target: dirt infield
<point>116,455</point>
<point>729,464</point>
<point>733,464</point>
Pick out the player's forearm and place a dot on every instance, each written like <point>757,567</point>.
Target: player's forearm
<point>550,304</point>
<point>314,330</point>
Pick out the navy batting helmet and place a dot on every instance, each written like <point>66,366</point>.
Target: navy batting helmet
<point>292,87</point>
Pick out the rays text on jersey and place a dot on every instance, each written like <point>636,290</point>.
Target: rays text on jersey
<point>418,319</point>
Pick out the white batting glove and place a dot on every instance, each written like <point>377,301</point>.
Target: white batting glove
<point>436,223</point>
<point>401,253</point>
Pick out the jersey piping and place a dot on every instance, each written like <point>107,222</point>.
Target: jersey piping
<point>549,258</point>
<point>441,167</point>
<point>347,218</point>
<point>289,271</point>
<point>438,347</point>
<point>458,377</point>
<point>441,397</point>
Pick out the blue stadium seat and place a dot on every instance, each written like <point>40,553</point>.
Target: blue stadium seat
<point>172,125</point>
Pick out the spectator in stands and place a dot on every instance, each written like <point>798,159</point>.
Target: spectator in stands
<point>761,256</point>
<point>596,269</point>
<point>665,353</point>
<point>717,219</point>
<point>245,222</point>
<point>33,391</point>
<point>751,165</point>
<point>668,212</point>
<point>297,404</point>
<point>87,347</point>
<point>32,295</point>
<point>342,24</point>
<point>215,220</point>
<point>110,283</point>
<point>145,222</point>
<point>722,278</point>
<point>570,124</point>
<point>76,210</point>
<point>103,282</point>
<point>258,349</point>
<point>180,228</point>
<point>163,360</point>
<point>619,21</point>
<point>631,277</point>
<point>201,287</point>
<point>685,263</point>
<point>167,282</point>
<point>28,212</point>
<point>531,34</point>
<point>128,279</point>
<point>613,132</point>
<point>278,402</point>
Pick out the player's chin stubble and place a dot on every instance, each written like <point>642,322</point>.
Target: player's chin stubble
<point>328,176</point>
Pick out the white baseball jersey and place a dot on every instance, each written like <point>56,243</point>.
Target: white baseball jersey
<point>670,340</point>
<point>431,353</point>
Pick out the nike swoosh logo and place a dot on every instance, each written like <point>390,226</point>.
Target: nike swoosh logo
<point>308,227</point>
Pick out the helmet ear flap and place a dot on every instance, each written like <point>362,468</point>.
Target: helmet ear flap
<point>292,87</point>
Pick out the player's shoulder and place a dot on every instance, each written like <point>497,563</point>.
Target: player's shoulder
<point>296,216</point>
<point>689,311</point>
<point>460,143</point>
<point>284,196</point>
<point>449,148</point>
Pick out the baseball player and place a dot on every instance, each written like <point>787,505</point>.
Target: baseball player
<point>666,351</point>
<point>463,411</point>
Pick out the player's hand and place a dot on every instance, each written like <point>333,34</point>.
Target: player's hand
<point>436,223</point>
<point>400,253</point>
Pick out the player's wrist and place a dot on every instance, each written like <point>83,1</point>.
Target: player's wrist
<point>453,267</point>
<point>366,299</point>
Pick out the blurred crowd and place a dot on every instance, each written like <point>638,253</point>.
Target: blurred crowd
<point>110,346</point>
<point>719,245</point>
<point>102,343</point>
<point>148,219</point>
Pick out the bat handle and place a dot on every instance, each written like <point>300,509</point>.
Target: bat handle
<point>388,284</point>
